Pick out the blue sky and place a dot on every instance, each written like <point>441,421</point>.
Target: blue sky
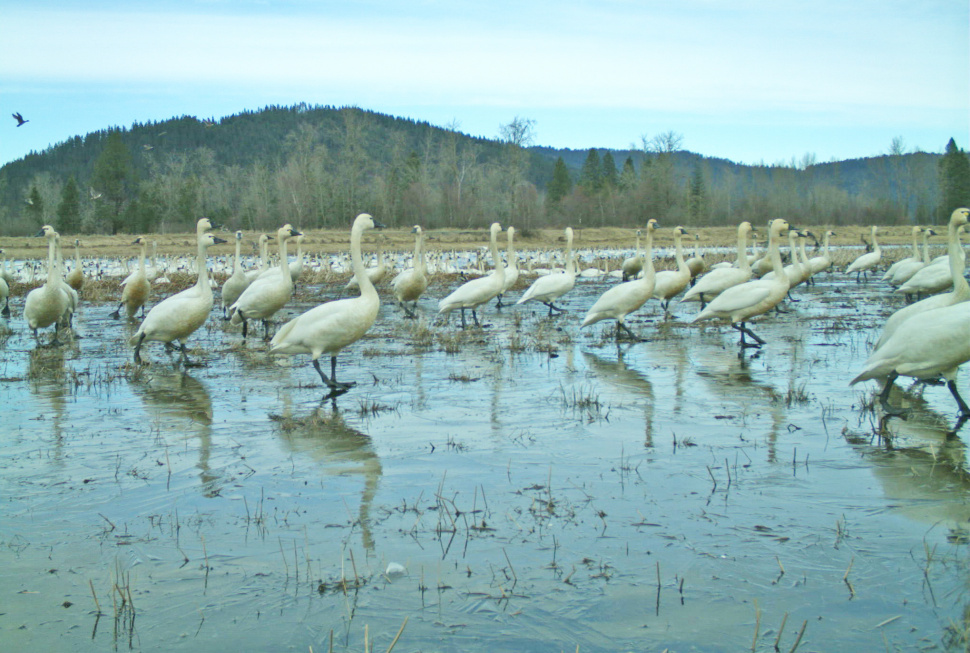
<point>745,80</point>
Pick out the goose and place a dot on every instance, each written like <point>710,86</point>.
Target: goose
<point>375,273</point>
<point>626,297</point>
<point>329,327</point>
<point>744,301</point>
<point>136,291</point>
<point>933,278</point>
<point>75,278</point>
<point>716,281</point>
<point>696,262</point>
<point>930,344</point>
<point>410,284</point>
<point>45,305</point>
<point>237,281</point>
<point>915,258</point>
<point>267,294</point>
<point>177,317</point>
<point>961,289</point>
<point>547,289</point>
<point>908,267</point>
<point>482,290</point>
<point>867,261</point>
<point>824,261</point>
<point>511,269</point>
<point>669,283</point>
<point>633,265</point>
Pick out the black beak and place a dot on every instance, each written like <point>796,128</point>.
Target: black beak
<point>378,225</point>
<point>39,234</point>
<point>218,241</point>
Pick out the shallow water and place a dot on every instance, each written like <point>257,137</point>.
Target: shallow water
<point>543,487</point>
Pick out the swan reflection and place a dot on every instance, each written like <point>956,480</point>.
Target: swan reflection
<point>626,379</point>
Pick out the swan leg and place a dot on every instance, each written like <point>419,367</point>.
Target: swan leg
<point>964,409</point>
<point>758,342</point>
<point>475,317</point>
<point>331,381</point>
<point>463,324</point>
<point>499,303</point>
<point>703,301</point>
<point>117,314</point>
<point>141,339</point>
<point>620,325</point>
<point>553,307</point>
<point>884,398</point>
<point>265,329</point>
<point>245,325</point>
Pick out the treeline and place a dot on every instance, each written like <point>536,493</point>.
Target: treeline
<point>316,167</point>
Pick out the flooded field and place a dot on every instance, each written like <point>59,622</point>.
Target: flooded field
<point>526,486</point>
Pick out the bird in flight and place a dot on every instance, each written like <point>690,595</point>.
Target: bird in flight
<point>19,118</point>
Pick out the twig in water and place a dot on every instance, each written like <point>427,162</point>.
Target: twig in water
<point>781,629</point>
<point>398,636</point>
<point>798,640</point>
<point>96,604</point>
<point>757,626</point>
<point>845,579</point>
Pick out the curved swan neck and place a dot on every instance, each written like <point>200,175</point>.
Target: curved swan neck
<point>357,261</point>
<point>493,245</point>
<point>203,280</point>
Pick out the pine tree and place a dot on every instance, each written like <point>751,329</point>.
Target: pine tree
<point>34,211</point>
<point>112,177</point>
<point>561,184</point>
<point>628,178</point>
<point>591,176</point>
<point>69,209</point>
<point>954,174</point>
<point>610,175</point>
<point>697,197</point>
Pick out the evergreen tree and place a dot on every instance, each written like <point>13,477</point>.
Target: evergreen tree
<point>112,177</point>
<point>697,197</point>
<point>69,209</point>
<point>34,211</point>
<point>591,176</point>
<point>610,175</point>
<point>628,177</point>
<point>954,173</point>
<point>561,184</point>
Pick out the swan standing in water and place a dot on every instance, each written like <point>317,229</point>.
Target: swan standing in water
<point>44,306</point>
<point>742,302</point>
<point>718,280</point>
<point>136,290</point>
<point>633,265</point>
<point>75,278</point>
<point>482,290</point>
<point>915,258</point>
<point>268,293</point>
<point>548,288</point>
<point>669,283</point>
<point>237,281</point>
<point>375,273</point>
<point>511,269</point>
<point>867,261</point>
<point>410,284</point>
<point>179,316</point>
<point>624,298</point>
<point>329,327</point>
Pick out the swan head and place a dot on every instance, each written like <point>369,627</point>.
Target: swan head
<point>287,231</point>
<point>511,232</point>
<point>139,241</point>
<point>416,229</point>
<point>239,235</point>
<point>960,216</point>
<point>495,230</point>
<point>208,240</point>
<point>745,228</point>
<point>203,225</point>
<point>46,231</point>
<point>651,224</point>
<point>367,221</point>
<point>778,226</point>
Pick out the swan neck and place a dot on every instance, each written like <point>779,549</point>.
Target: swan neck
<point>51,261</point>
<point>742,251</point>
<point>203,280</point>
<point>141,257</point>
<point>955,252</point>
<point>496,259</point>
<point>648,270</point>
<point>357,262</point>
<point>774,252</point>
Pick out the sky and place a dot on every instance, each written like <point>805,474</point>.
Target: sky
<point>750,81</point>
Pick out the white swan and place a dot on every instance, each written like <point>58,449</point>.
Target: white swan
<point>867,261</point>
<point>73,298</point>
<point>717,281</point>
<point>933,278</point>
<point>742,302</point>
<point>822,262</point>
<point>328,328</point>
<point>237,282</point>
<point>547,289</point>
<point>375,273</point>
<point>633,265</point>
<point>908,267</point>
<point>624,298</point>
<point>45,305</point>
<point>75,278</point>
<point>252,275</point>
<point>961,289</point>
<point>180,315</point>
<point>268,293</point>
<point>909,259</point>
<point>410,284</point>
<point>511,268</point>
<point>482,290</point>
<point>931,344</point>
<point>669,283</point>
<point>136,290</point>
<point>696,263</point>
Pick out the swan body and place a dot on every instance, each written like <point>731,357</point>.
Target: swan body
<point>935,277</point>
<point>329,327</point>
<point>717,281</point>
<point>375,273</point>
<point>867,261</point>
<point>547,289</point>
<point>633,265</point>
<point>696,263</point>
<point>136,290</point>
<point>45,305</point>
<point>177,317</point>
<point>744,301</point>
<point>482,290</point>
<point>237,282</point>
<point>252,275</point>
<point>961,289</point>
<point>915,258</point>
<point>75,278</point>
<point>822,262</point>
<point>624,298</point>
<point>511,268</point>
<point>908,267</point>
<point>669,283</point>
<point>410,284</point>
<point>267,294</point>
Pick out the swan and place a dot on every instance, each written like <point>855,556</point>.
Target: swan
<point>135,293</point>
<point>908,267</point>
<point>547,289</point>
<point>669,283</point>
<point>696,263</point>
<point>822,262</point>
<point>915,258</point>
<point>178,316</point>
<point>482,290</point>
<point>4,294</point>
<point>742,302</point>
<point>375,273</point>
<point>716,281</point>
<point>633,265</point>
<point>511,269</point>
<point>5,274</point>
<point>867,261</point>
<point>237,281</point>
<point>73,298</point>
<point>329,327</point>
<point>961,289</point>
<point>268,293</point>
<point>252,275</point>
<point>45,305</point>
<point>933,278</point>
<point>410,284</point>
<point>75,278</point>
<point>930,344</point>
<point>624,298</point>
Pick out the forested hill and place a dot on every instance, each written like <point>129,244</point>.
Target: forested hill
<point>315,166</point>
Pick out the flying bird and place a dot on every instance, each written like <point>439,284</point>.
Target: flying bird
<point>19,118</point>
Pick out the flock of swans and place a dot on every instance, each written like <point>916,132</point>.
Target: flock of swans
<point>926,340</point>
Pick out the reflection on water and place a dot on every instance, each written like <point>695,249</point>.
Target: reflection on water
<point>48,382</point>
<point>342,450</point>
<point>628,380</point>
<point>180,405</point>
